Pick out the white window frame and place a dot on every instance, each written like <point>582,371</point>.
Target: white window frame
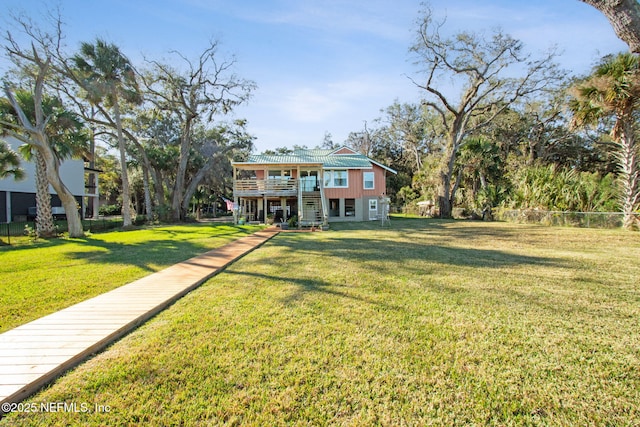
<point>372,175</point>
<point>330,178</point>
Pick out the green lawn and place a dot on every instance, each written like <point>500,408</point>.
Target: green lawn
<point>421,323</point>
<point>49,275</point>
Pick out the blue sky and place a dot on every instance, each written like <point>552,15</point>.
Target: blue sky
<point>322,66</point>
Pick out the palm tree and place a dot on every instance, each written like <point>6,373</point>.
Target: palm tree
<point>613,91</point>
<point>480,165</point>
<point>9,163</point>
<point>66,137</point>
<point>108,78</point>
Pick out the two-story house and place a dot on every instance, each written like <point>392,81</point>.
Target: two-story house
<point>318,186</point>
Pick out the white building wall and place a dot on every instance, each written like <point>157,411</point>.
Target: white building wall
<point>71,173</point>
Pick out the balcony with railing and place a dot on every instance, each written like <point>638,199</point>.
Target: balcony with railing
<point>274,187</point>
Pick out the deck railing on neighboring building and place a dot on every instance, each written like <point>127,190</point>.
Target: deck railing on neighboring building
<point>265,187</point>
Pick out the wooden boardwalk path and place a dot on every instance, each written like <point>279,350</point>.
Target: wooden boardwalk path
<point>36,353</point>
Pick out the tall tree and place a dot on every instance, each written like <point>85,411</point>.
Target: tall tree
<point>212,149</point>
<point>206,88</point>
<point>35,62</point>
<point>108,78</point>
<point>67,137</point>
<point>624,16</point>
<point>361,141</point>
<point>482,68</point>
<point>327,141</point>
<point>613,90</point>
<point>410,127</point>
<point>156,138</point>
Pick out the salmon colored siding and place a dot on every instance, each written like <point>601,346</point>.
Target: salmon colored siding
<point>356,185</point>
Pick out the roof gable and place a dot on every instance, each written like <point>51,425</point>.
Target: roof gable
<point>343,150</point>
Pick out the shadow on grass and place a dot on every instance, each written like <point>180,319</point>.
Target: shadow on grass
<point>386,257</point>
<point>307,286</point>
<point>396,254</point>
<point>174,245</point>
<point>446,228</point>
<point>164,251</point>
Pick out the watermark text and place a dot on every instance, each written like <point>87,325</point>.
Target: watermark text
<point>51,407</point>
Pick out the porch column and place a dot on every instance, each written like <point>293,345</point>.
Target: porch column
<point>95,207</point>
<point>236,207</point>
<point>283,206</point>
<point>264,208</point>
<point>8,205</point>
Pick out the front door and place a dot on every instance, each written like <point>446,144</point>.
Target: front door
<point>373,209</point>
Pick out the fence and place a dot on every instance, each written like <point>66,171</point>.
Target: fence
<point>13,229</point>
<point>559,218</point>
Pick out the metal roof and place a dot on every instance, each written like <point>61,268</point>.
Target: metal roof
<point>327,158</point>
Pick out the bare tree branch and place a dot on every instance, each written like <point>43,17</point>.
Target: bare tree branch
<point>477,68</point>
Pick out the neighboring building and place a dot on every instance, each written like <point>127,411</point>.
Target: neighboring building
<point>318,186</point>
<point>17,198</point>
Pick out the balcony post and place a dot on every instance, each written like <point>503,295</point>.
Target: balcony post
<point>283,206</point>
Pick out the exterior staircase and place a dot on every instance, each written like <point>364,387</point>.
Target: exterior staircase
<point>312,212</point>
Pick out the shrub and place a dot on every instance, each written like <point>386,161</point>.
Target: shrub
<point>110,209</point>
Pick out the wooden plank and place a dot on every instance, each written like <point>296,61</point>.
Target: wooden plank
<point>40,367</point>
<point>26,359</point>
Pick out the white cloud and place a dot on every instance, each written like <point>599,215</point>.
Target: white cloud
<point>380,18</point>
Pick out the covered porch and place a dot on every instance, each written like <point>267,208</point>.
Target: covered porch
<point>276,192</point>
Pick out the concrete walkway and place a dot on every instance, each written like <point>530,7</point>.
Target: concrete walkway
<point>36,353</point>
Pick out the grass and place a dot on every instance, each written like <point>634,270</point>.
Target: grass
<point>49,275</point>
<point>420,323</point>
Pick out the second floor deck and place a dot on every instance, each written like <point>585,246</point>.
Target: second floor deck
<point>284,187</point>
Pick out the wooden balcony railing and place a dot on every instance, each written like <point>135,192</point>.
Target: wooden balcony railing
<point>267,187</point>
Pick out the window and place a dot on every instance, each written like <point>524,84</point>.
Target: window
<point>280,174</point>
<point>368,180</point>
<point>340,179</point>
<point>274,174</point>
<point>336,179</point>
<point>349,207</point>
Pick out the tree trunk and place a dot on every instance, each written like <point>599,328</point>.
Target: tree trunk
<point>629,175</point>
<point>39,141</point>
<point>444,199</point>
<point>45,226</point>
<point>447,194</point>
<point>177,212</point>
<point>158,186</point>
<point>146,186</point>
<point>624,16</point>
<point>69,203</point>
<point>126,191</point>
<point>193,185</point>
<point>147,193</point>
